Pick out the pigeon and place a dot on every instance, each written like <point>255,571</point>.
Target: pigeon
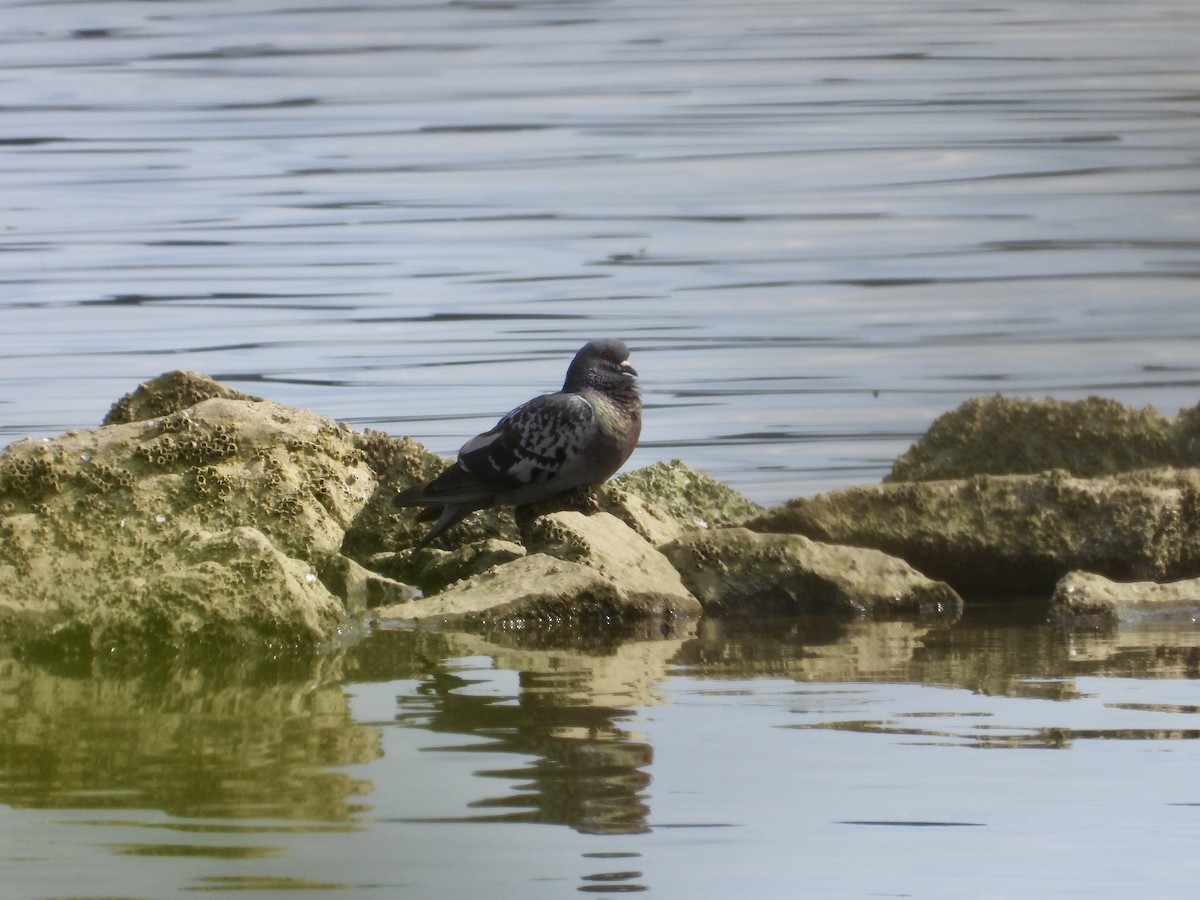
<point>576,437</point>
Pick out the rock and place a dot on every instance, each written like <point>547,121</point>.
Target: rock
<point>650,521</point>
<point>735,571</point>
<point>234,586</point>
<point>604,543</point>
<point>1083,597</point>
<point>168,393</point>
<point>359,587</point>
<point>1014,533</point>
<point>694,499</point>
<point>435,570</point>
<point>532,589</point>
<point>578,567</point>
<point>1010,436</point>
<point>145,528</point>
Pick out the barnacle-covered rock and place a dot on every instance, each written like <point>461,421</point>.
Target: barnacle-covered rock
<point>211,521</point>
<point>168,393</point>
<point>1014,534</point>
<point>1089,438</point>
<point>736,572</point>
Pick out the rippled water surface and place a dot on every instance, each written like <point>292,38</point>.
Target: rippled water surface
<point>991,758</point>
<point>818,224</point>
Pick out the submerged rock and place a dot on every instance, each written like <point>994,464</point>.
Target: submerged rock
<point>1018,436</point>
<point>736,571</point>
<point>1087,598</point>
<point>1016,533</point>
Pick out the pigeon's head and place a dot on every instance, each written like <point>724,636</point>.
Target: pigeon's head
<point>600,364</point>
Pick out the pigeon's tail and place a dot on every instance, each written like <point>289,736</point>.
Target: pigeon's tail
<point>449,498</point>
<point>448,515</point>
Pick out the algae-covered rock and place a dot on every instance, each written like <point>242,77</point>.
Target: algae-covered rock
<point>530,590</point>
<point>435,569</point>
<point>603,543</point>
<point>1087,598</point>
<point>233,586</point>
<point>735,571</point>
<point>695,500</point>
<point>577,567</point>
<point>1014,533</point>
<point>648,519</point>
<point>144,528</point>
<point>1017,436</point>
<point>168,393</point>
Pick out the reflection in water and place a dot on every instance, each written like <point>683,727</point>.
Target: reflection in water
<point>262,740</point>
<point>1003,649</point>
<point>249,741</point>
<point>247,760</point>
<point>587,771</point>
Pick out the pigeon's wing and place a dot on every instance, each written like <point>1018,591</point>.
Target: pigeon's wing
<point>453,486</point>
<point>531,444</point>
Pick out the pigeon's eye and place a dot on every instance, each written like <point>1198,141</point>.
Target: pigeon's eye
<point>608,356</point>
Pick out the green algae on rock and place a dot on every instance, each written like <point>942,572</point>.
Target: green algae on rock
<point>168,393</point>
<point>735,571</point>
<point>695,499</point>
<point>203,524</point>
<point>1014,533</point>
<point>577,567</point>
<point>1019,436</point>
<point>233,519</point>
<point>1082,598</point>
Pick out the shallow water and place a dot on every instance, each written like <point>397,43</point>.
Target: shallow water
<point>819,225</point>
<point>990,758</point>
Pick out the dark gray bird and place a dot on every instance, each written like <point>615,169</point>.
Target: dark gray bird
<point>576,437</point>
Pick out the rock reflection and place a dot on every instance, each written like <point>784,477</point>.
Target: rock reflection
<point>253,739</point>
<point>587,771</point>
<point>576,690</point>
<point>1007,649</point>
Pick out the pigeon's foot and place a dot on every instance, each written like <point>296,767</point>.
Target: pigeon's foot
<point>580,499</point>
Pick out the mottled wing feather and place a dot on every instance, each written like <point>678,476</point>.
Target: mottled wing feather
<point>453,485</point>
<point>531,444</point>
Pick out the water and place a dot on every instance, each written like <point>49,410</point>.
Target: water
<point>819,225</point>
<point>798,758</point>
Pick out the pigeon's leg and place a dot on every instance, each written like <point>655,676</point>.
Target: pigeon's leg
<point>578,499</point>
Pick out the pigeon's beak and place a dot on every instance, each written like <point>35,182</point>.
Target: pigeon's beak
<point>627,369</point>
